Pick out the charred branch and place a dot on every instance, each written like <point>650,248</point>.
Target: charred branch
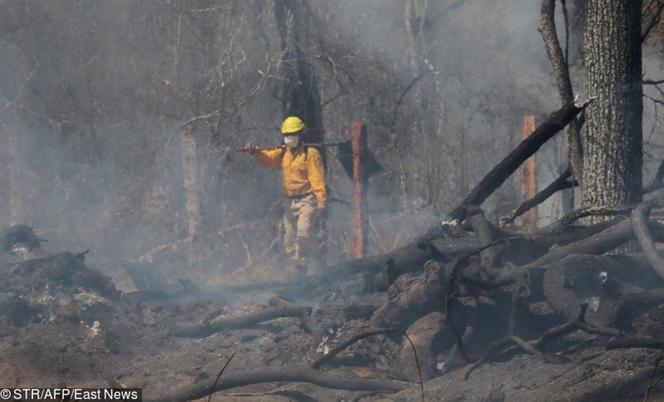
<point>497,176</point>
<point>281,374</point>
<point>593,211</point>
<point>561,183</point>
<point>630,342</point>
<point>221,323</point>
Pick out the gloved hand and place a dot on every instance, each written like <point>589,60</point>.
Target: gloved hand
<point>251,148</point>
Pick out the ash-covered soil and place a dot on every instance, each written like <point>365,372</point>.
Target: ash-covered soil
<point>62,323</point>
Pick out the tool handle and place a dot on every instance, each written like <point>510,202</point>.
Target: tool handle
<point>248,149</point>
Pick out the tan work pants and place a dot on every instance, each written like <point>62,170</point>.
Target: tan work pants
<point>298,225</point>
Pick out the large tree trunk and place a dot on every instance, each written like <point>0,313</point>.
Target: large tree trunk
<point>301,96</point>
<point>613,144</point>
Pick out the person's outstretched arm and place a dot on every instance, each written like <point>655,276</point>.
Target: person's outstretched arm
<point>270,158</point>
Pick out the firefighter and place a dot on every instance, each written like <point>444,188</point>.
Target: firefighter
<point>303,182</point>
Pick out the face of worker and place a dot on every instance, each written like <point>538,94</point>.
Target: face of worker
<point>292,141</point>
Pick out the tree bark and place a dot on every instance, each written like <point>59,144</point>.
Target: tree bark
<point>612,171</point>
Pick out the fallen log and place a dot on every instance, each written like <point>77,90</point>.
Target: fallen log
<point>411,297</point>
<point>223,322</point>
<point>532,245</point>
<point>381,271</point>
<point>630,342</point>
<point>633,297</point>
<point>656,183</point>
<point>277,374</point>
<point>305,318</point>
<point>576,280</point>
<point>642,232</point>
<point>608,239</point>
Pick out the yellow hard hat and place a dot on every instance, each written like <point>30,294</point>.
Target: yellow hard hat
<point>291,125</point>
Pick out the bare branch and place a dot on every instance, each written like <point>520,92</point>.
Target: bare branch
<point>561,183</point>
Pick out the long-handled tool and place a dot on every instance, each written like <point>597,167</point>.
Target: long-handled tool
<point>325,144</point>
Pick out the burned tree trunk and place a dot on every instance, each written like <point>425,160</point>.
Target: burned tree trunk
<point>300,87</point>
<point>613,159</point>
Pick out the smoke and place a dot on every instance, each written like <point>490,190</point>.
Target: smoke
<point>93,94</point>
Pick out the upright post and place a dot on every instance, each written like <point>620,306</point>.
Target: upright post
<point>529,178</point>
<point>360,218</point>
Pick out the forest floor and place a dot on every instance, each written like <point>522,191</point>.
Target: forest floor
<point>65,324</point>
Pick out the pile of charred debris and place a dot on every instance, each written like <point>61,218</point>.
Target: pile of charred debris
<point>470,311</point>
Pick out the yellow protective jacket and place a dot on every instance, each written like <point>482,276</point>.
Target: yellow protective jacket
<point>302,170</point>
